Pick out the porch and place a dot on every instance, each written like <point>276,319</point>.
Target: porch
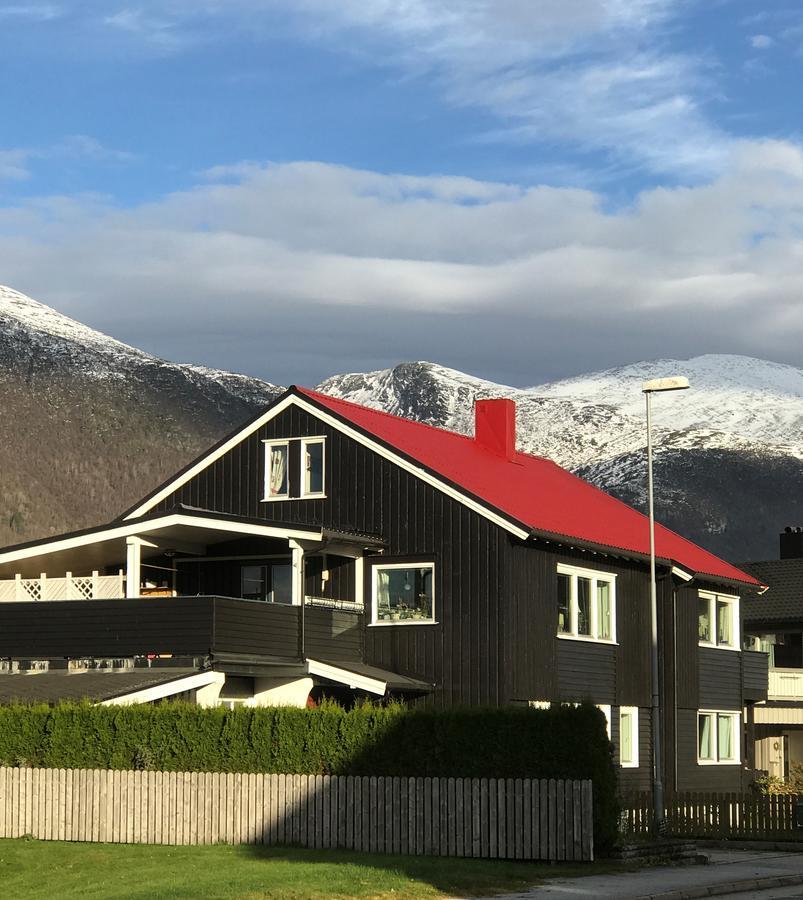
<point>190,553</point>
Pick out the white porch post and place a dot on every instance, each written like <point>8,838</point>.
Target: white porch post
<point>298,573</point>
<point>359,580</point>
<point>133,566</point>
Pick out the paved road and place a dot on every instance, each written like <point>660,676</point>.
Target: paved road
<point>725,867</point>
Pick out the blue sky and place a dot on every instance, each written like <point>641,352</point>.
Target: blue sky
<point>522,189</point>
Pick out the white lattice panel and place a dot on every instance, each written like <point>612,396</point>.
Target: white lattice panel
<point>31,588</point>
<point>8,591</point>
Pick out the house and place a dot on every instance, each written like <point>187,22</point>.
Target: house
<point>328,548</point>
<point>773,622</point>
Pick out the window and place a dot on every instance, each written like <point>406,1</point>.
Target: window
<point>294,468</point>
<point>277,479</point>
<point>272,583</point>
<point>312,467</point>
<point>718,735</point>
<point>404,593</point>
<point>718,620</point>
<point>586,604</point>
<point>628,737</point>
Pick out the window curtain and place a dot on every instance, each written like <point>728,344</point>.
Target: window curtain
<point>704,620</point>
<point>603,610</point>
<point>382,590</point>
<point>725,737</point>
<point>278,470</point>
<point>706,749</point>
<point>724,635</point>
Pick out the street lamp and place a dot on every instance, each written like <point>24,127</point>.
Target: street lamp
<point>648,388</point>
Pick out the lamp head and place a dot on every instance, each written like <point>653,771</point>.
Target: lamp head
<point>656,385</point>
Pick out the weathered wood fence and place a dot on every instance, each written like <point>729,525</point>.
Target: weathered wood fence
<point>749,816</point>
<point>482,817</point>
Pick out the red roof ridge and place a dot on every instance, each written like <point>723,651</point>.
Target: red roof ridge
<point>329,398</point>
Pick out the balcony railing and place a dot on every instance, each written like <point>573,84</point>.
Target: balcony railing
<point>71,587</point>
<point>786,684</point>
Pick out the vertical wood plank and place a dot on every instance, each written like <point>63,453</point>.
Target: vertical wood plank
<point>588,822</point>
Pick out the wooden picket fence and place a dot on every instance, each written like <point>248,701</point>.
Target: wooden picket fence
<point>481,817</point>
<point>715,815</point>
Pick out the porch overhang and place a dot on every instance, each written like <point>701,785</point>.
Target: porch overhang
<point>97,548</point>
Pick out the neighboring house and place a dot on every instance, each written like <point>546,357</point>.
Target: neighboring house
<point>773,622</point>
<point>327,548</point>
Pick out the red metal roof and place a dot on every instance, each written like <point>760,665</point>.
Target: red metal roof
<point>534,491</point>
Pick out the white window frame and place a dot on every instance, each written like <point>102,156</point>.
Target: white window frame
<point>304,492</point>
<point>269,446</point>
<point>633,762</point>
<point>733,603</point>
<point>377,623</point>
<point>736,716</point>
<point>594,575</point>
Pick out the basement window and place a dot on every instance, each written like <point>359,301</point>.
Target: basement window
<point>586,604</point>
<point>404,594</point>
<point>718,620</point>
<point>718,736</point>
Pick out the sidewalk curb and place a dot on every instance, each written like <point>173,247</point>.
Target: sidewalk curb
<point>732,887</point>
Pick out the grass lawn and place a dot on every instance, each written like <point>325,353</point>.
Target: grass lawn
<point>30,870</point>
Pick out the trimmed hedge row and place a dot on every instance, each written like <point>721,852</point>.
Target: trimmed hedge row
<point>562,742</point>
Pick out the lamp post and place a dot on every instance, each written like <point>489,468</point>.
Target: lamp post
<point>648,388</point>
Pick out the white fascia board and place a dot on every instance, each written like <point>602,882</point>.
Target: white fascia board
<point>139,528</point>
<point>158,691</point>
<point>681,573</point>
<point>355,435</point>
<point>343,676</point>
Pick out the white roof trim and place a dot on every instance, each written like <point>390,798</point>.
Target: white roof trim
<point>167,689</point>
<point>354,681</point>
<point>682,573</point>
<point>138,528</point>
<point>355,435</point>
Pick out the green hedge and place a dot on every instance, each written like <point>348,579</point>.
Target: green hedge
<point>562,742</point>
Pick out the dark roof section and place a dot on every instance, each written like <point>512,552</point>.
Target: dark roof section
<point>52,687</point>
<point>783,601</point>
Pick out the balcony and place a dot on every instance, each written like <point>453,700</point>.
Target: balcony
<point>785,684</point>
<point>179,626</point>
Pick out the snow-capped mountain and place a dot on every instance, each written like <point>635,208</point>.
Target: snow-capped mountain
<point>92,424</point>
<point>729,451</point>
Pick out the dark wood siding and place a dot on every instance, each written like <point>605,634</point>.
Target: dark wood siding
<point>755,668</point>
<point>586,671</point>
<point>333,635</point>
<point>720,679</point>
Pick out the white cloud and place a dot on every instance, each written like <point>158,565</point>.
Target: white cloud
<point>342,268</point>
<point>16,164</point>
<point>32,12</point>
<point>761,41</point>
